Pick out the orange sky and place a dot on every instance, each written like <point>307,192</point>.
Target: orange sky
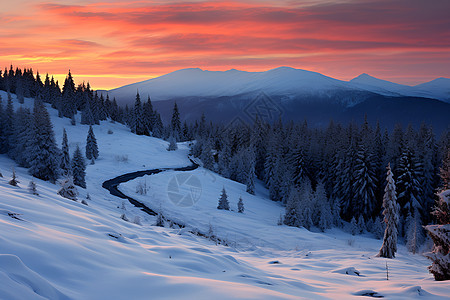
<point>114,42</point>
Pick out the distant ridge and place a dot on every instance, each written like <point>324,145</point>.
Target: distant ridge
<point>195,82</point>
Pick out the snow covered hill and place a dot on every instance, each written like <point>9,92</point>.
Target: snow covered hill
<point>437,89</point>
<point>285,81</point>
<point>55,248</point>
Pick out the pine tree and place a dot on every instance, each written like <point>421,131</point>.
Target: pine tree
<point>408,185</point>
<point>291,215</point>
<point>361,223</point>
<point>223,201</point>
<point>299,165</point>
<point>224,160</point>
<point>172,144</point>
<point>21,137</point>
<point>87,118</point>
<point>175,123</point>
<point>91,145</point>
<point>414,231</point>
<point>250,174</point>
<point>364,183</point>
<point>159,219</point>
<point>43,152</point>
<point>445,172</point>
<point>323,211</point>
<point>138,125</point>
<point>65,156</point>
<point>241,205</point>
<point>19,91</point>
<point>206,155</point>
<point>353,226</point>
<point>13,181</point>
<point>440,234</point>
<point>391,215</point>
<point>378,228</point>
<point>32,188</point>
<point>8,126</point>
<point>305,207</point>
<point>68,97</point>
<point>78,168</point>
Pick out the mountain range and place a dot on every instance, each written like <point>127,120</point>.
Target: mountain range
<point>292,94</point>
<point>195,82</point>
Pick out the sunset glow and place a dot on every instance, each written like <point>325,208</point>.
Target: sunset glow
<point>112,43</point>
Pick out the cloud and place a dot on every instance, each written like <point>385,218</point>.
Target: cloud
<point>338,38</point>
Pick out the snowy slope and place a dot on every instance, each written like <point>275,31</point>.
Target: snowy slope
<point>384,87</point>
<point>287,81</point>
<point>55,248</point>
<point>438,88</point>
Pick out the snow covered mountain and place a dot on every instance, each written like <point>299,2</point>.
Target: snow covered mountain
<point>437,89</point>
<point>201,83</point>
<point>284,81</point>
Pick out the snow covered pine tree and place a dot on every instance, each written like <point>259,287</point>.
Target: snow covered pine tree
<point>91,145</point>
<point>391,211</point>
<point>223,201</point>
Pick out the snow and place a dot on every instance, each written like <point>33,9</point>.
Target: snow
<point>437,89</point>
<point>56,248</point>
<point>195,82</point>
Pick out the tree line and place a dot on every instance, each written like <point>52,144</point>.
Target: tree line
<point>325,176</point>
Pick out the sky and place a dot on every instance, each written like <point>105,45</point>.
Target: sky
<point>111,43</point>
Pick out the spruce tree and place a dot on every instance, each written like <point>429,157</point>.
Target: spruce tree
<point>21,137</point>
<point>361,223</point>
<point>78,168</point>
<point>353,226</point>
<point>13,181</point>
<point>325,216</point>
<point>291,215</point>
<point>250,174</point>
<point>440,234</point>
<point>240,205</point>
<point>206,156</point>
<point>445,171</point>
<point>32,188</point>
<point>172,144</point>
<point>87,118</point>
<point>175,122</point>
<point>149,115</point>
<point>408,184</point>
<point>42,149</point>
<point>19,91</point>
<point>138,125</point>
<point>391,215</point>
<point>91,145</point>
<point>8,126</point>
<point>364,183</point>
<point>65,156</point>
<point>223,201</point>
<point>414,230</point>
<point>68,97</point>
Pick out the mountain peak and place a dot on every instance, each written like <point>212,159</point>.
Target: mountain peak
<point>365,77</point>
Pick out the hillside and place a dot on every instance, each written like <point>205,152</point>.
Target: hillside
<point>55,248</point>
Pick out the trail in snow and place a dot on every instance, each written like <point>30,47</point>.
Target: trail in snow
<point>112,184</point>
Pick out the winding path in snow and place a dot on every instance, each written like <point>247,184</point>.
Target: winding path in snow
<point>112,184</point>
